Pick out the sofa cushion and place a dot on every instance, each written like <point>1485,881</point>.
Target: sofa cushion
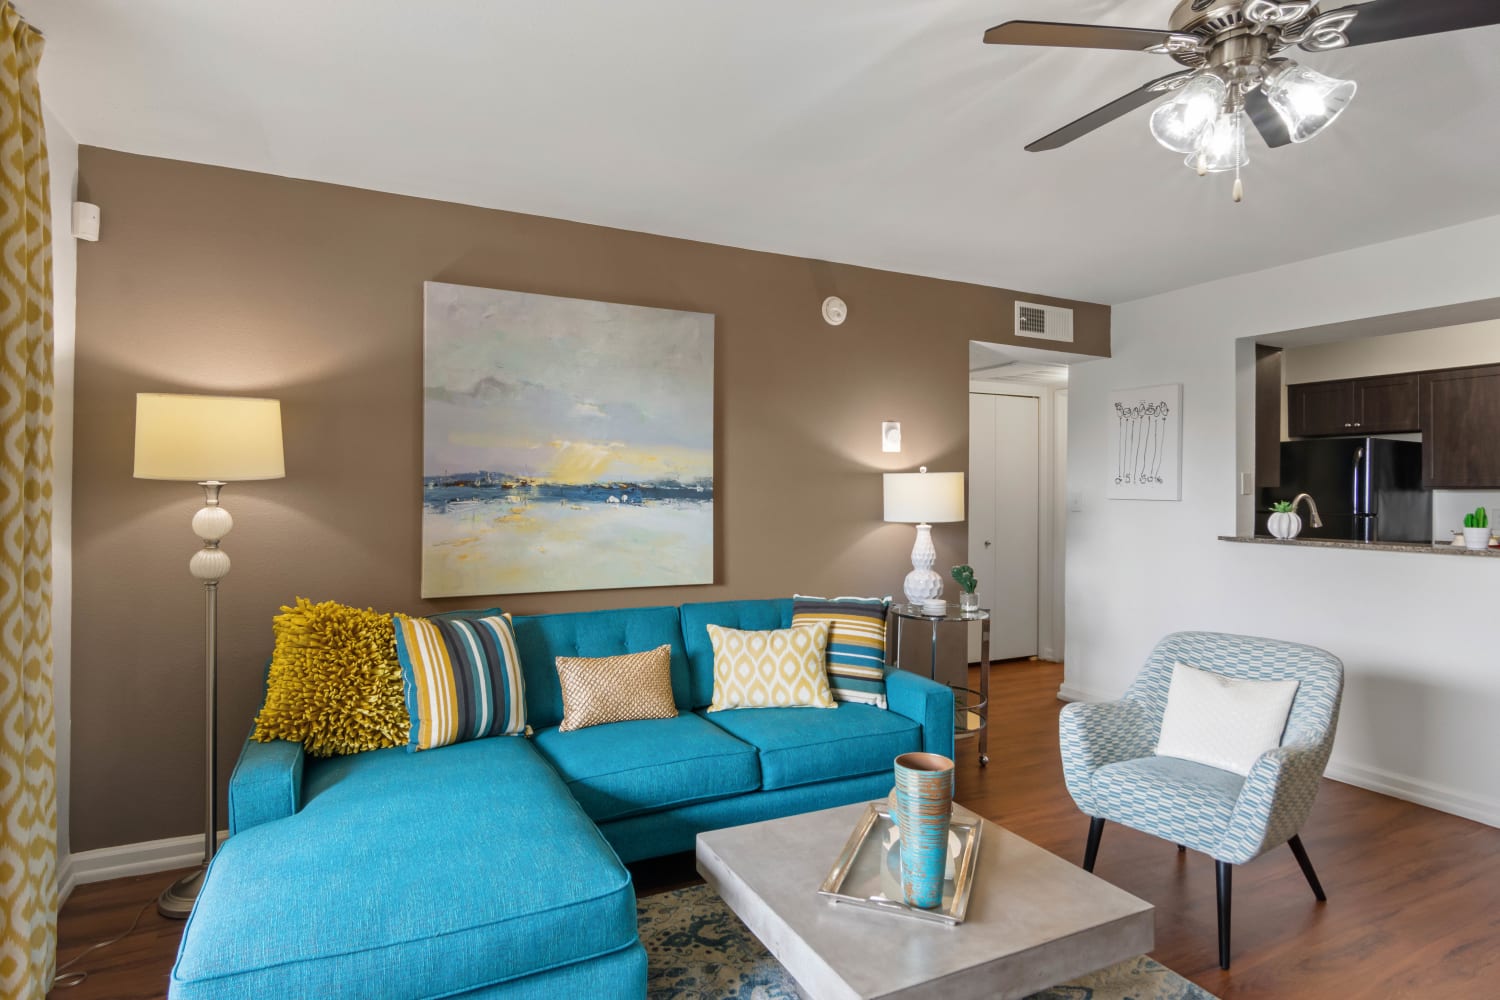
<point>798,747</point>
<point>460,867</point>
<point>629,768</point>
<point>752,615</point>
<point>541,639</point>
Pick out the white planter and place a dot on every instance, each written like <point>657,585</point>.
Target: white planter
<point>1284,524</point>
<point>1476,538</point>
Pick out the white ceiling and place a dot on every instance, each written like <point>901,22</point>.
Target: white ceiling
<point>874,132</point>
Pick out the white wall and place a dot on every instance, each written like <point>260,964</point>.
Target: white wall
<point>1422,699</point>
<point>62,154</point>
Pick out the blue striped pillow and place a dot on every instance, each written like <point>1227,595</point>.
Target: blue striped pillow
<point>462,678</point>
<point>856,643</point>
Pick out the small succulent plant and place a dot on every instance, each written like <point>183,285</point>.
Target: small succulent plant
<point>1281,507</point>
<point>965,577</point>
<point>1479,519</point>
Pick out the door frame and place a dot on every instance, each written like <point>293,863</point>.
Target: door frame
<point>1051,515</point>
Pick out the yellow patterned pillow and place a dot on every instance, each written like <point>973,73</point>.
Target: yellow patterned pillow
<point>616,688</point>
<point>335,683</point>
<point>783,668</point>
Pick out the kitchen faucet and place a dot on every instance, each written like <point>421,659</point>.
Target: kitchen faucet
<point>1312,506</point>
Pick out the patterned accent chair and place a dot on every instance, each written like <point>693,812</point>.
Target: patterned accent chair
<point>1109,762</point>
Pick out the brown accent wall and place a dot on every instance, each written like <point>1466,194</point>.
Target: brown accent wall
<point>214,280</point>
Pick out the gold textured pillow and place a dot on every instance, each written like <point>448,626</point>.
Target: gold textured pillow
<point>782,668</point>
<point>616,688</point>
<point>335,682</point>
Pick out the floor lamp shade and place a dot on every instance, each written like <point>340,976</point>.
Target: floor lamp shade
<point>924,498</point>
<point>210,440</point>
<point>223,439</point>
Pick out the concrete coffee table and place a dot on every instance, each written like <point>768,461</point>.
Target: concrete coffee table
<point>1034,920</point>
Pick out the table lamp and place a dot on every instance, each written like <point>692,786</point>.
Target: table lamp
<point>923,498</point>
<point>210,440</point>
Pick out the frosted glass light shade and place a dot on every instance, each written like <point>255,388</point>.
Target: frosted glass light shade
<point>1179,124</point>
<point>924,497</point>
<point>1306,100</point>
<point>1223,145</point>
<point>207,438</point>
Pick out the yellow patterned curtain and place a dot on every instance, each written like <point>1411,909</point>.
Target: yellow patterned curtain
<point>28,789</point>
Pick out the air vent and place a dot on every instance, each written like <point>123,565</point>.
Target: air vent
<point>1044,322</point>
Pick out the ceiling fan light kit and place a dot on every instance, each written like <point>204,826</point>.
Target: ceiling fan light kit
<point>1235,74</point>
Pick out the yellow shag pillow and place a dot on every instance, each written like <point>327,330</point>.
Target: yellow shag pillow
<point>335,683</point>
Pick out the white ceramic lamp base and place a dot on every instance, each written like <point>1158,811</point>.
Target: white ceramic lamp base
<point>922,583</point>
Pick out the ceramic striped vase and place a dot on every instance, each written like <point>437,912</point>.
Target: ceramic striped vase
<point>924,806</point>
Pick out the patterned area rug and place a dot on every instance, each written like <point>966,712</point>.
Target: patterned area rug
<point>699,950</point>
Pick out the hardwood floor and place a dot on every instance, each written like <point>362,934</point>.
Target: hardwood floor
<point>1413,906</point>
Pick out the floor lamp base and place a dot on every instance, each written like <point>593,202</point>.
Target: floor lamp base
<point>177,899</point>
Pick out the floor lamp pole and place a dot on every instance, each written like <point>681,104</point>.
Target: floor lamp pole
<point>209,564</point>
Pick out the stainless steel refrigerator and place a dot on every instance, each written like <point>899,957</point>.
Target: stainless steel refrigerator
<point>1366,489</point>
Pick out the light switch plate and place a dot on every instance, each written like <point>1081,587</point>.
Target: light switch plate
<point>1075,502</point>
<point>1247,483</point>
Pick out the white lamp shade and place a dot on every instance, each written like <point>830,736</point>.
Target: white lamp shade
<point>924,497</point>
<point>207,438</point>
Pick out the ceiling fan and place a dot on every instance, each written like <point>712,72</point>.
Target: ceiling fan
<point>1236,71</point>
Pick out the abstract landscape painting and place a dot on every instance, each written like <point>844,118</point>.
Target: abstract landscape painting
<point>567,444</point>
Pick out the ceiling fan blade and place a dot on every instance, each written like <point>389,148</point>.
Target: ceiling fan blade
<point>1103,116</point>
<point>1385,20</point>
<point>1075,36</point>
<point>1267,122</point>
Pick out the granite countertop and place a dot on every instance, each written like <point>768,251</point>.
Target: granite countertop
<point>1435,548</point>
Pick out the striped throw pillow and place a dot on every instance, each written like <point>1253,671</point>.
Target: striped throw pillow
<point>462,679</point>
<point>856,643</point>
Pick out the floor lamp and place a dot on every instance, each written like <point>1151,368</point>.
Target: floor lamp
<point>210,440</point>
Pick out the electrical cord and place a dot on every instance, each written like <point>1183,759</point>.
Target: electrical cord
<point>62,981</point>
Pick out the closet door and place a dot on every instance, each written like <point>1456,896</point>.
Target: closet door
<point>1003,520</point>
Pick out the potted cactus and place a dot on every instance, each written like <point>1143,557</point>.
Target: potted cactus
<point>1283,522</point>
<point>1477,529</point>
<point>968,598</point>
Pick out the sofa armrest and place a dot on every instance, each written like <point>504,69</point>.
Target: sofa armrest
<point>926,702</point>
<point>1275,800</point>
<point>266,784</point>
<point>1092,734</point>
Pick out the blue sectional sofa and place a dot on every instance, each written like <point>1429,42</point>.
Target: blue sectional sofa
<point>495,868</point>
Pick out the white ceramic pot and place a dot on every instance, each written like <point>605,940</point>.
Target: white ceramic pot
<point>1284,524</point>
<point>1476,538</point>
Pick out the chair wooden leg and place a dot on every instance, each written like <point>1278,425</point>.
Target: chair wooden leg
<point>1307,869</point>
<point>1225,873</point>
<point>1181,848</point>
<point>1091,852</point>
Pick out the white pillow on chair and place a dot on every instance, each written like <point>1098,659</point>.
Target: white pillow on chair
<point>1224,722</point>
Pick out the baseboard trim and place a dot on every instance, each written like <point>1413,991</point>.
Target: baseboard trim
<point>1069,693</point>
<point>143,858</point>
<point>1423,793</point>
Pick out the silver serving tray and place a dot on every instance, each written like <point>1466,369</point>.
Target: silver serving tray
<point>867,874</point>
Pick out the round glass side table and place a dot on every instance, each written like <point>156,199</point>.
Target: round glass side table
<point>971,709</point>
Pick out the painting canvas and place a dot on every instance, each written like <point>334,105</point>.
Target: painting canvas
<point>1145,444</point>
<point>567,444</point>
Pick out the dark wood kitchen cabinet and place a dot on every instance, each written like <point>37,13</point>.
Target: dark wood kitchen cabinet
<point>1460,411</point>
<point>1318,409</point>
<point>1387,404</point>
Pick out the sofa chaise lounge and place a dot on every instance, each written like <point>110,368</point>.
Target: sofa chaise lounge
<point>495,868</point>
